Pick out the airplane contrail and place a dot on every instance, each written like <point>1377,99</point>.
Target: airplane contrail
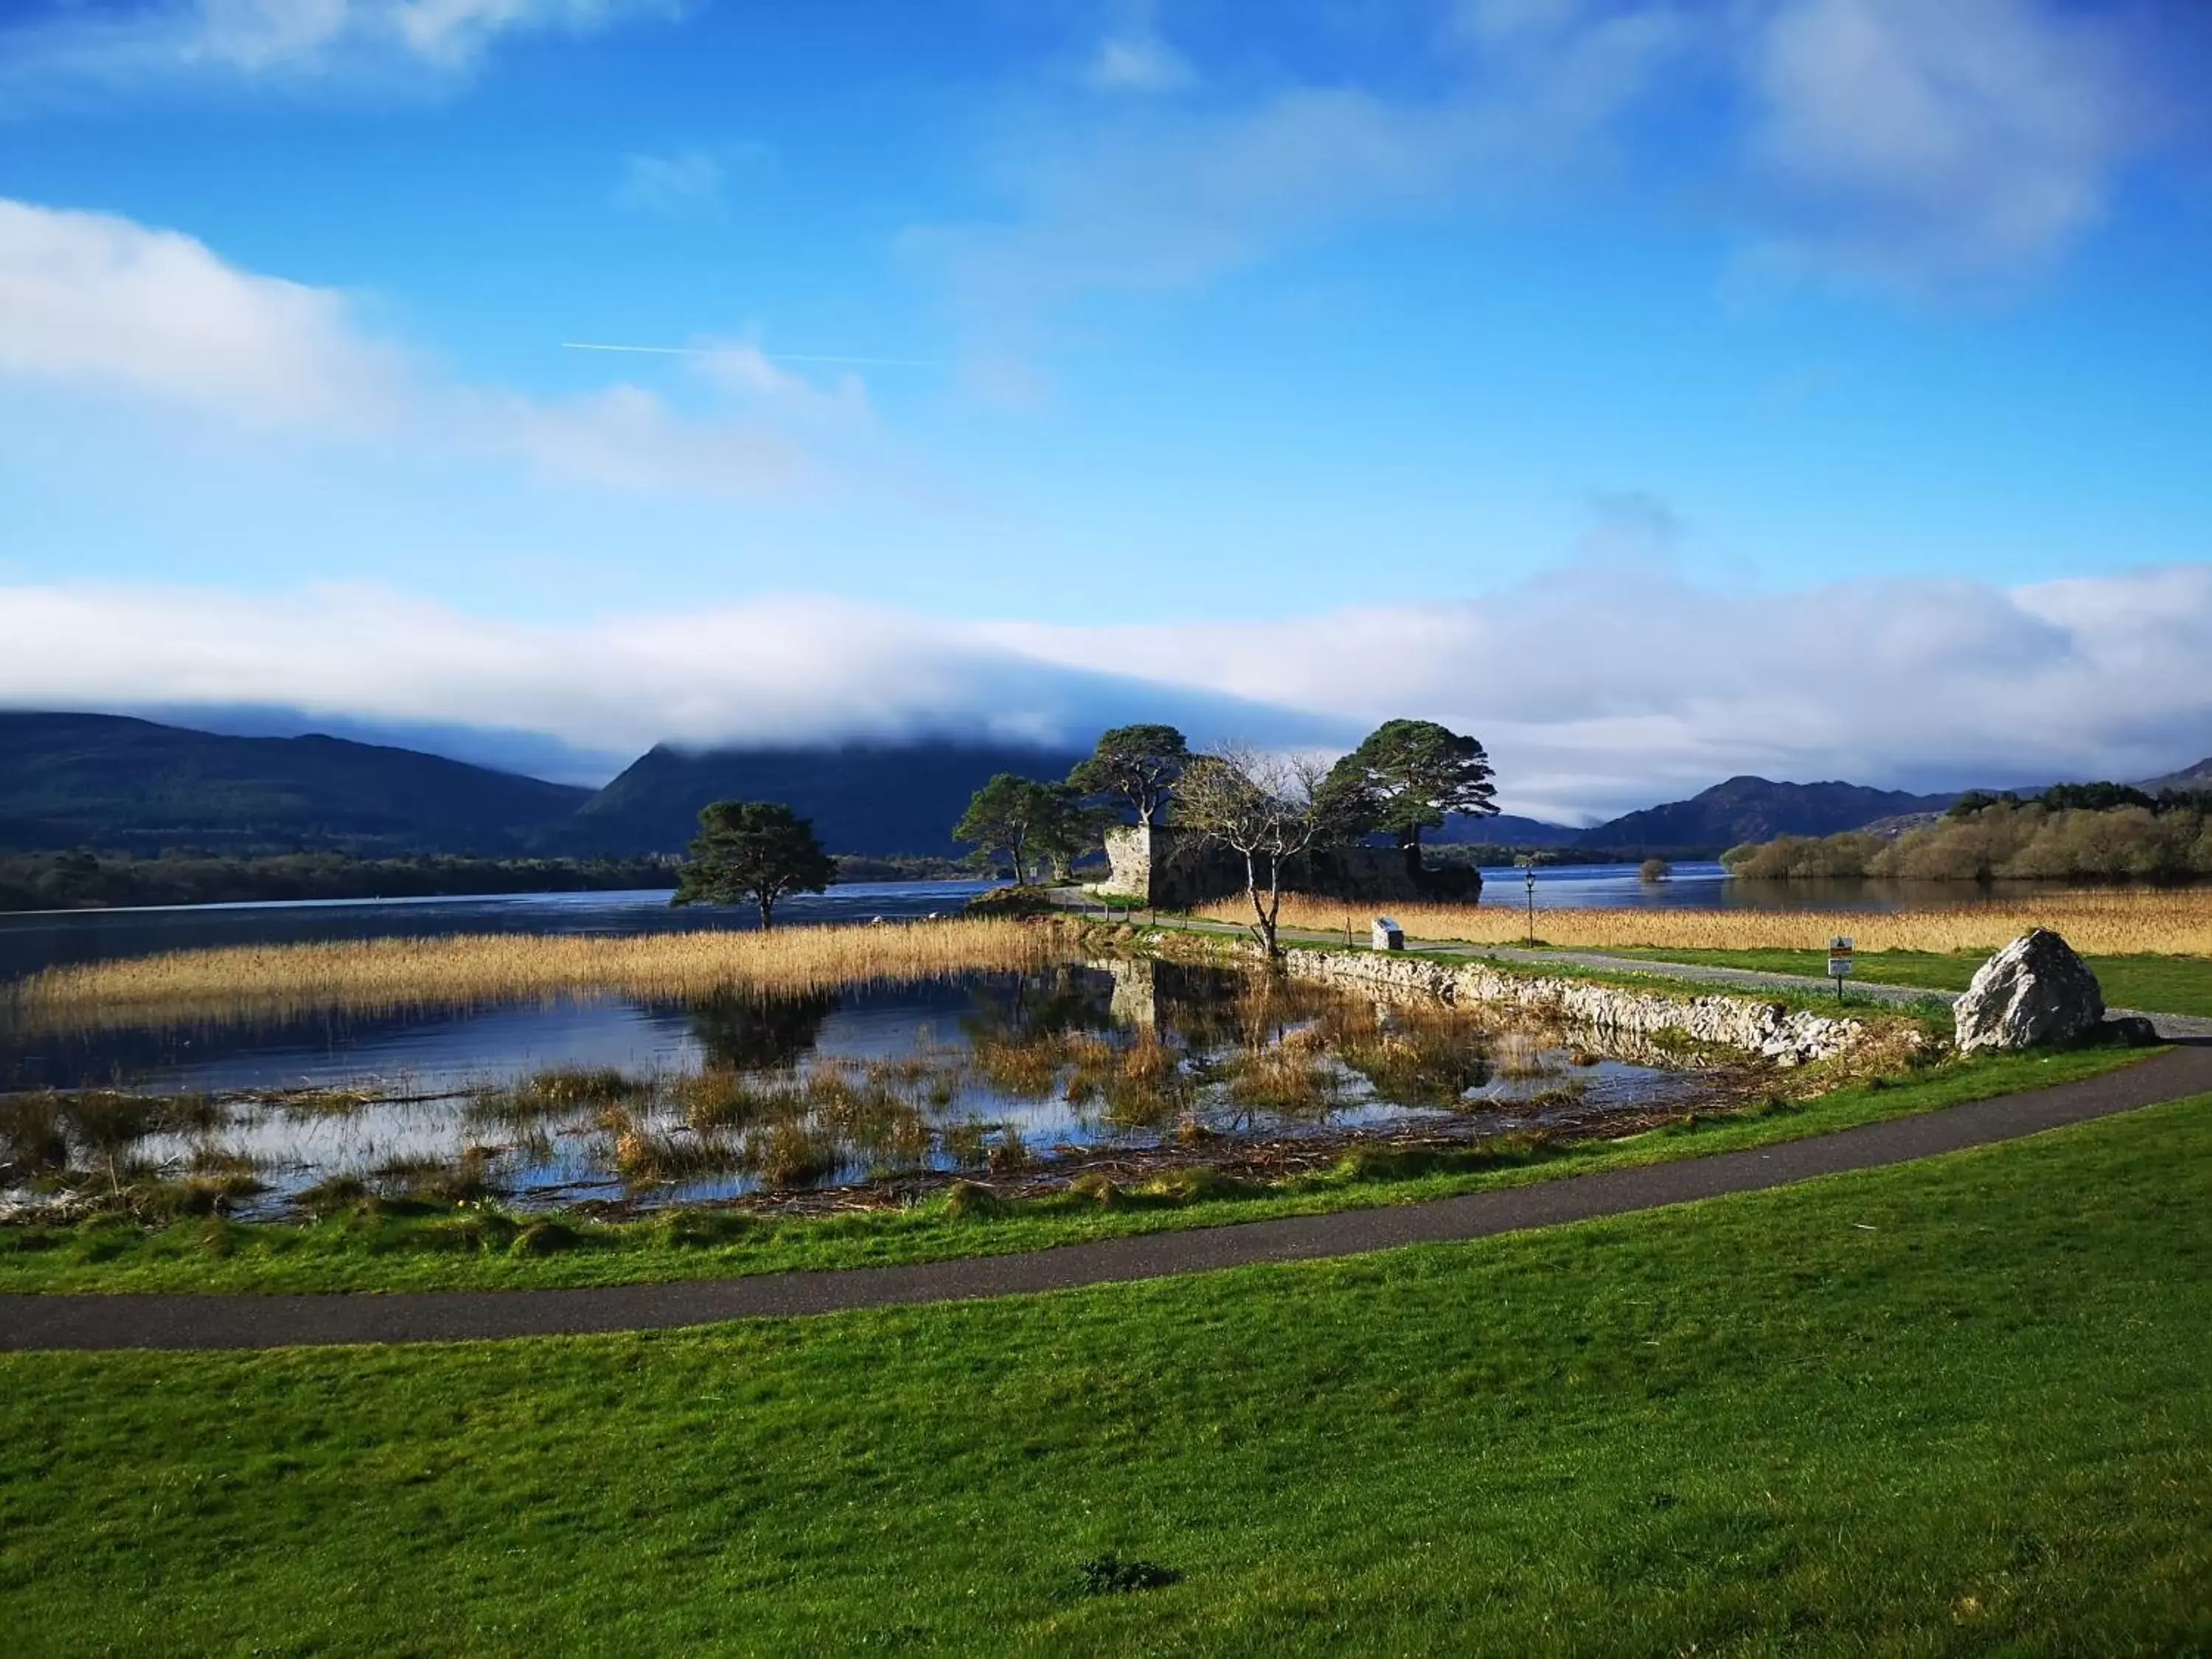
<point>772,356</point>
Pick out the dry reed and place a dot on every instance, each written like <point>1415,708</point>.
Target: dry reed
<point>2112,922</point>
<point>263,981</point>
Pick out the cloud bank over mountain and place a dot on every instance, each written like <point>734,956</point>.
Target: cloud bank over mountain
<point>1597,688</point>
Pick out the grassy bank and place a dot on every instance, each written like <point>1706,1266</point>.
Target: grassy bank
<point>2166,985</point>
<point>2125,921</point>
<point>423,1245</point>
<point>247,981</point>
<point>1955,1407</point>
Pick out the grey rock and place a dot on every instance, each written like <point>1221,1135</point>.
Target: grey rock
<point>2127,1031</point>
<point>2033,993</point>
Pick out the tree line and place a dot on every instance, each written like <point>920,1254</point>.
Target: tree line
<point>85,879</point>
<point>1265,808</point>
<point>2076,832</point>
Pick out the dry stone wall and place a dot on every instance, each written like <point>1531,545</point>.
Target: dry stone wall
<point>1769,1029</point>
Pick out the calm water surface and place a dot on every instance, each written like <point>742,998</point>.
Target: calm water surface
<point>50,938</point>
<point>47,939</point>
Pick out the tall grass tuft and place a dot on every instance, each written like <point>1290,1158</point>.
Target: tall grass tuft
<point>267,982</point>
<point>2131,921</point>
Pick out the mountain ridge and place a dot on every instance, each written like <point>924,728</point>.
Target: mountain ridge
<point>118,782</point>
<point>124,783</point>
<point>876,799</point>
<point>1747,808</point>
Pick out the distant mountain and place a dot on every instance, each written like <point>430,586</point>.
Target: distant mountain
<point>878,798</point>
<point>2198,776</point>
<point>1461,828</point>
<point>109,781</point>
<point>1754,809</point>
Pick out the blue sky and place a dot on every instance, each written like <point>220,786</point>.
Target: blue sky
<point>1810,386</point>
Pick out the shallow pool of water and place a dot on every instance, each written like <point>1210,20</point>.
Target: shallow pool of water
<point>604,1097</point>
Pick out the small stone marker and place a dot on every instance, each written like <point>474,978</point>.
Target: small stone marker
<point>1389,935</point>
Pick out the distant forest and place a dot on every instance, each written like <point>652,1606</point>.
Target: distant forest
<point>2074,832</point>
<point>87,880</point>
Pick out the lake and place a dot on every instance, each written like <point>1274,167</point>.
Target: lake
<point>44,938</point>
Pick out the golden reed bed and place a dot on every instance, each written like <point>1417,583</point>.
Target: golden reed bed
<point>2124,922</point>
<point>251,982</point>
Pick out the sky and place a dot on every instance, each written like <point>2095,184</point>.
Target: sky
<point>1658,391</point>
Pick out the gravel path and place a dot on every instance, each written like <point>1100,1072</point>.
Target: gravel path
<point>268,1321</point>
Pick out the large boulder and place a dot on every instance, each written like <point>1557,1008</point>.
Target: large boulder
<point>2034,992</point>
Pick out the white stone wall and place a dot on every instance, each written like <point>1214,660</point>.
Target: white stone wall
<point>1766,1029</point>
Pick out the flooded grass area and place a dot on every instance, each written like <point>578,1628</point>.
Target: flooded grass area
<point>861,1094</point>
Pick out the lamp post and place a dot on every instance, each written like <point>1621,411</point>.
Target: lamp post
<point>1528,863</point>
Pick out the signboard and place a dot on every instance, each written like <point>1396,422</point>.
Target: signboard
<point>1839,961</point>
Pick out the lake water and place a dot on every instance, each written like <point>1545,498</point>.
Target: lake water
<point>608,1098</point>
<point>29,942</point>
<point>45,938</point>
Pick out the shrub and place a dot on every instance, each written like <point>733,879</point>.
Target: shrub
<point>1096,1188</point>
<point>545,1237</point>
<point>964,1200</point>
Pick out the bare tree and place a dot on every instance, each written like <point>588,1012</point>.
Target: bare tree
<point>1261,806</point>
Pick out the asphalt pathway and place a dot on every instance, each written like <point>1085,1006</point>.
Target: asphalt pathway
<point>205,1321</point>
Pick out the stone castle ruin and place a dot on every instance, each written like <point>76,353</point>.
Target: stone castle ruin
<point>1167,869</point>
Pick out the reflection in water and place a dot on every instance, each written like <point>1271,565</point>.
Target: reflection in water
<point>750,1028</point>
<point>602,1098</point>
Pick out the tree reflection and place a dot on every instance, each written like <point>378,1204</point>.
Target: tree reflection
<point>750,1030</point>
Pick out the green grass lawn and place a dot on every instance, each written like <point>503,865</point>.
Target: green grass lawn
<point>1955,1407</point>
<point>444,1246</point>
<point>2166,985</point>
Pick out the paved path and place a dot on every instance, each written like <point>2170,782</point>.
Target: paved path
<point>267,1321</point>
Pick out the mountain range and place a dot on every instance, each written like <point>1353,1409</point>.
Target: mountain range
<point>130,785</point>
<point>127,784</point>
<point>877,798</point>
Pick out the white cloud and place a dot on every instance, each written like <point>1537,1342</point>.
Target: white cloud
<point>90,299</point>
<point>688,185</point>
<point>287,40</point>
<point>1158,195</point>
<point>796,668</point>
<point>742,370</point>
<point>1895,141</point>
<point>1908,141</point>
<point>93,303</point>
<point>1158,199</point>
<point>1604,688</point>
<point>1597,689</point>
<point>1138,62</point>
